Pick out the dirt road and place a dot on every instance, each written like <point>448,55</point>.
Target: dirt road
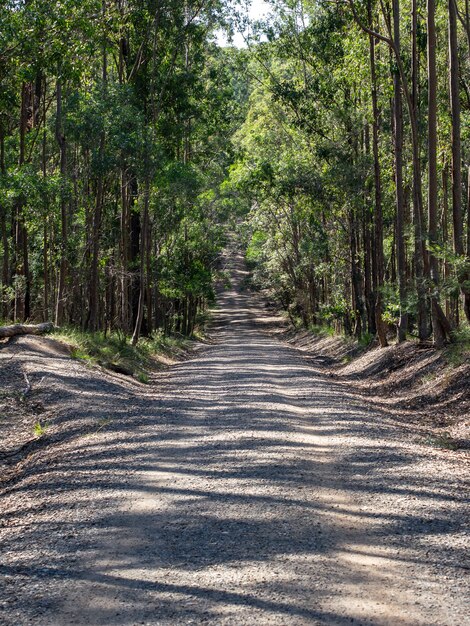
<point>247,488</point>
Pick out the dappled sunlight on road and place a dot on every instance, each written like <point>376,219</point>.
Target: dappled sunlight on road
<point>250,489</point>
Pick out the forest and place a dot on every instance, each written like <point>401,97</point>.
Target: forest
<point>245,227</point>
<point>337,139</point>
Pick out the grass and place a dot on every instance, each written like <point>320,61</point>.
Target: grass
<point>40,429</point>
<point>142,377</point>
<point>365,340</point>
<point>458,352</point>
<point>322,331</point>
<point>443,441</point>
<point>428,378</point>
<point>115,352</point>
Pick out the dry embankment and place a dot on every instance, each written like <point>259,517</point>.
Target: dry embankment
<point>423,389</point>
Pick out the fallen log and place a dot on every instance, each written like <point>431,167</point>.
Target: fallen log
<point>25,329</point>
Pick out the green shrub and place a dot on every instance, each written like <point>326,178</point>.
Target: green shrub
<point>458,352</point>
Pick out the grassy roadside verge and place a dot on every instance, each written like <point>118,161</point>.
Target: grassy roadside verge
<point>114,351</point>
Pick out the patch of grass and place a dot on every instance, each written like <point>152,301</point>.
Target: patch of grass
<point>427,378</point>
<point>458,352</point>
<point>322,331</point>
<point>443,440</point>
<point>115,352</point>
<point>247,284</point>
<point>80,355</point>
<point>202,319</point>
<point>224,277</point>
<point>142,377</point>
<point>366,340</point>
<point>40,429</point>
<point>102,423</point>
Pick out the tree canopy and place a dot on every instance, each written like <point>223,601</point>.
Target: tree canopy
<point>130,142</point>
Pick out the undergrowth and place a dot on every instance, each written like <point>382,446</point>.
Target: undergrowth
<point>40,429</point>
<point>442,440</point>
<point>115,352</point>
<point>458,352</point>
<point>322,331</point>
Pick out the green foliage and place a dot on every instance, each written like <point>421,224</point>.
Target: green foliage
<point>40,429</point>
<point>458,352</point>
<point>147,107</point>
<point>322,331</point>
<point>115,352</point>
<point>254,252</point>
<point>366,340</point>
<point>120,191</point>
<point>142,377</point>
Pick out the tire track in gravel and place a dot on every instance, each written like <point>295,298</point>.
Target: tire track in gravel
<point>250,490</point>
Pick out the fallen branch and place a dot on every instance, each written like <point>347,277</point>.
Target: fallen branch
<point>25,329</point>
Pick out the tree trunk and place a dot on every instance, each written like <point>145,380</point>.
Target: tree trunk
<point>454,78</point>
<point>419,247</point>
<point>61,141</point>
<point>440,327</point>
<point>45,241</point>
<point>23,329</point>
<point>93,315</point>
<point>22,291</point>
<point>445,229</point>
<point>400,199</point>
<point>356,282</point>
<point>5,243</point>
<point>124,254</point>
<point>378,215</point>
<point>148,272</point>
<point>467,294</point>
<point>143,250</point>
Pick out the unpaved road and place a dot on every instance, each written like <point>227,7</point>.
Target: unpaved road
<point>247,489</point>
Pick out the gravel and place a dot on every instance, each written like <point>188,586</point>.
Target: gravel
<point>244,486</point>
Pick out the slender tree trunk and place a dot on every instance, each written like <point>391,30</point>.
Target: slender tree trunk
<point>456,142</point>
<point>45,240</point>
<point>467,295</point>
<point>143,250</point>
<point>454,77</point>
<point>94,313</point>
<point>368,295</point>
<point>445,230</point>
<point>441,327</point>
<point>148,272</point>
<point>378,214</point>
<point>400,199</point>
<point>5,242</point>
<point>356,292</point>
<point>125,225</point>
<point>61,141</point>
<point>22,291</point>
<point>420,254</point>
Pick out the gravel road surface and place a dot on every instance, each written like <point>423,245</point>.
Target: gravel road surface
<point>244,487</point>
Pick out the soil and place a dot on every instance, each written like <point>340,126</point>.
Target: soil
<point>416,384</point>
<point>246,485</point>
